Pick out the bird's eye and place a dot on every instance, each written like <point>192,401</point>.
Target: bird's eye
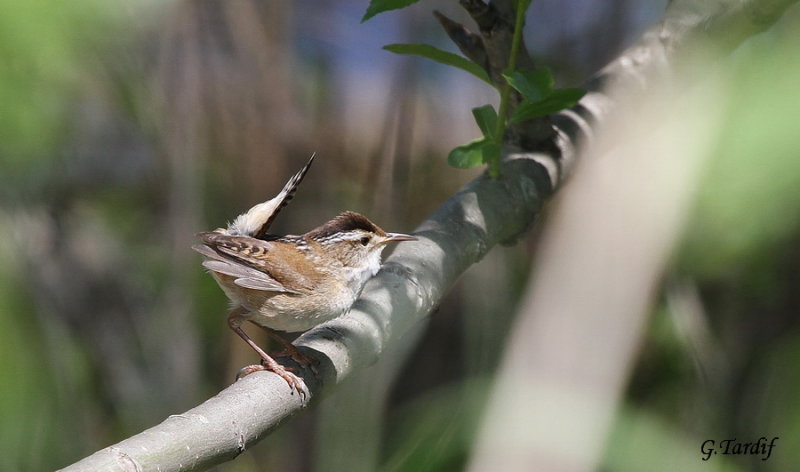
<point>364,241</point>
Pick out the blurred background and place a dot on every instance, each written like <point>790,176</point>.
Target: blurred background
<point>126,127</point>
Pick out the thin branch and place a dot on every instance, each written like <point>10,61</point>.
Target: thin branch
<point>410,285</point>
<point>492,50</point>
<point>470,44</point>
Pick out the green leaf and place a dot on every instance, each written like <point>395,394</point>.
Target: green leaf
<point>380,6</point>
<point>556,101</point>
<point>533,85</point>
<point>442,57</point>
<point>468,155</point>
<point>486,117</point>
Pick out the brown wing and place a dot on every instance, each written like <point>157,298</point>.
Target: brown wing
<point>247,277</point>
<point>250,262</point>
<point>244,276</point>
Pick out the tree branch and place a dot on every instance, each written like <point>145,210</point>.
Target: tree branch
<point>418,274</point>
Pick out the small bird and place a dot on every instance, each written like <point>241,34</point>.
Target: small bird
<point>291,283</point>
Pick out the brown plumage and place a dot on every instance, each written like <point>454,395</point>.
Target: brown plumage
<point>291,283</point>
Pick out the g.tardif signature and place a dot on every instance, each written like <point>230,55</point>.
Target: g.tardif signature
<point>734,447</point>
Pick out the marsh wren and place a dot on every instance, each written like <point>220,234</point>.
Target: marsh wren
<point>291,283</point>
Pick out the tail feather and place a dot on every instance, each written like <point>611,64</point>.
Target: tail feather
<point>256,221</point>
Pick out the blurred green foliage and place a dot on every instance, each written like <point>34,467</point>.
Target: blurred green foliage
<point>434,432</point>
<point>740,251</point>
<point>44,46</point>
<point>642,440</point>
<point>25,404</point>
<point>781,415</point>
<point>748,206</point>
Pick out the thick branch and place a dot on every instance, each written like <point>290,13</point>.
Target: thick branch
<point>412,282</point>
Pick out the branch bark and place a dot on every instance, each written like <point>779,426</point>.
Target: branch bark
<point>418,274</point>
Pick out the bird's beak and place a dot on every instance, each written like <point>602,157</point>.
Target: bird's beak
<point>394,237</point>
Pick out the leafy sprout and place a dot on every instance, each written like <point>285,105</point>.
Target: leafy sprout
<point>537,87</point>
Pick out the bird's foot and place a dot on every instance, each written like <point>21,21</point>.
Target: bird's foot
<point>295,383</point>
<point>305,361</point>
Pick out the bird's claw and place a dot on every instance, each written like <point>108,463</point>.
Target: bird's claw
<point>295,383</point>
<point>305,361</point>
